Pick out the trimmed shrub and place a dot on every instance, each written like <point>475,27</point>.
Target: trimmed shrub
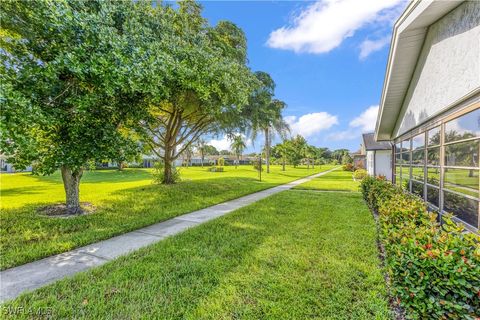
<point>221,162</point>
<point>434,269</point>
<point>360,174</point>
<point>215,169</point>
<point>348,167</point>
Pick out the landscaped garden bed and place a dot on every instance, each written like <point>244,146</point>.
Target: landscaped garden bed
<point>433,268</point>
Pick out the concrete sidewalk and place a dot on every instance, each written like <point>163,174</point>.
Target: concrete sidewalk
<point>39,273</point>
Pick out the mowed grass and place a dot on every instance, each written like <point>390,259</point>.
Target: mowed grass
<point>290,256</point>
<point>337,180</point>
<point>125,201</point>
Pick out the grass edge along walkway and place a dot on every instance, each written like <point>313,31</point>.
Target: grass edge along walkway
<point>289,256</point>
<point>33,275</point>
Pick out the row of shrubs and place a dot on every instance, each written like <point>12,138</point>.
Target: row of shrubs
<point>434,269</point>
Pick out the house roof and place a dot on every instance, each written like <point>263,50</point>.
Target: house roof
<point>407,40</point>
<point>370,143</point>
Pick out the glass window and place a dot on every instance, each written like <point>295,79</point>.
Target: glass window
<point>464,154</point>
<point>398,147</point>
<point>418,142</point>
<point>398,158</point>
<point>405,157</point>
<point>464,127</point>
<point>433,176</point>
<point>418,156</point>
<point>462,180</point>
<point>406,145</point>
<point>418,173</point>
<point>398,170</point>
<point>432,195</point>
<point>433,156</point>
<point>433,137</point>
<point>464,208</point>
<point>417,188</point>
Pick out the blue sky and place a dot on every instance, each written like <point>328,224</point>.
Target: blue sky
<point>327,58</point>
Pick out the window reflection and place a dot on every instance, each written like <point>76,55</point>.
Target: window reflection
<point>433,176</point>
<point>464,208</point>
<point>418,173</point>
<point>462,180</point>
<point>433,156</point>
<point>406,157</point>
<point>417,188</point>
<point>418,156</point>
<point>464,127</point>
<point>433,195</point>
<point>406,145</point>
<point>418,141</point>
<point>464,154</point>
<point>434,137</point>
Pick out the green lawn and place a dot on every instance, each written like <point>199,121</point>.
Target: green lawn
<point>290,256</point>
<point>337,180</point>
<point>125,200</point>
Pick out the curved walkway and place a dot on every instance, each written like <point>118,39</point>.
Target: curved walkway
<point>31,276</point>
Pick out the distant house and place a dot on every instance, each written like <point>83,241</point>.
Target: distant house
<point>8,167</point>
<point>430,105</point>
<point>359,159</point>
<point>378,156</point>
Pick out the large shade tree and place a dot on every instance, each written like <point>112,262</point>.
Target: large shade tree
<point>208,84</point>
<point>71,73</point>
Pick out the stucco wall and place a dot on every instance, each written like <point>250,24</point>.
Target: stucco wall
<point>448,67</point>
<point>383,163</point>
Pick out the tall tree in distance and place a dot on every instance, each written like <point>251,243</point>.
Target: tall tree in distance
<point>265,114</point>
<point>238,145</point>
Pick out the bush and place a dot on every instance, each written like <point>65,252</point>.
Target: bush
<point>215,169</point>
<point>360,174</point>
<point>434,269</point>
<point>348,167</point>
<point>159,173</point>
<point>221,162</point>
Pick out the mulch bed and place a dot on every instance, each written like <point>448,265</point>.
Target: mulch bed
<point>61,211</point>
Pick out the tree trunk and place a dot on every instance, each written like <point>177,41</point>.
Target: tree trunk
<point>120,165</point>
<point>202,158</point>
<point>267,150</point>
<point>167,170</point>
<point>283,164</point>
<point>71,183</point>
<point>238,161</point>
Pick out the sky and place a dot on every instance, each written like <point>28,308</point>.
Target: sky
<point>327,58</point>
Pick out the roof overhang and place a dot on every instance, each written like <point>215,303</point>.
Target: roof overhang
<point>407,40</point>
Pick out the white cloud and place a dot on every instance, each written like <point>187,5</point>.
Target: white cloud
<point>369,46</point>
<point>324,25</point>
<point>311,123</point>
<point>224,143</point>
<point>366,120</point>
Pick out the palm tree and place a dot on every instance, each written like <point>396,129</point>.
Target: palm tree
<point>202,148</point>
<point>237,146</point>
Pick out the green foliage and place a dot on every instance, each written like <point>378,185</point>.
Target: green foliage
<point>434,269</point>
<point>257,164</point>
<point>348,167</point>
<point>346,158</point>
<point>360,174</point>
<point>159,173</point>
<point>215,169</point>
<point>221,162</point>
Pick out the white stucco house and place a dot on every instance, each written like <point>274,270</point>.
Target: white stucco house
<point>378,156</point>
<point>430,105</point>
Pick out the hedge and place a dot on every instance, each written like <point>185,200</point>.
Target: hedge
<point>434,269</point>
